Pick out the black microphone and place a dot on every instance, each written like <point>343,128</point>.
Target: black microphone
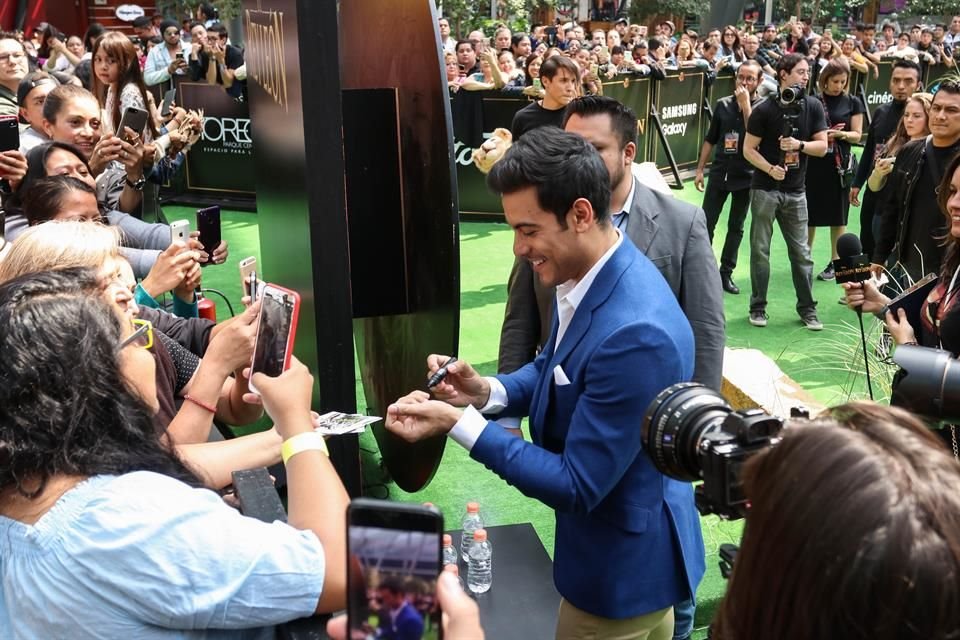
<point>854,266</point>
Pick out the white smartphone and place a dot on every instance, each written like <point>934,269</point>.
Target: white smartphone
<point>179,231</point>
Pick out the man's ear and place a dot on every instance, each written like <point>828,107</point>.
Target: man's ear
<point>583,214</point>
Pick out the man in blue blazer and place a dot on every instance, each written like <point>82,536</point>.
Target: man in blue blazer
<point>628,541</point>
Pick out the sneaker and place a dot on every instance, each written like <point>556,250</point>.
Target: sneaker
<point>758,318</point>
<point>827,274</point>
<point>812,322</point>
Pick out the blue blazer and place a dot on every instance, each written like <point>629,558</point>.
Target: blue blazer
<point>628,538</point>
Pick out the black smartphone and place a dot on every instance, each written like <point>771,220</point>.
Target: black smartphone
<point>208,224</point>
<point>393,560</point>
<point>134,118</point>
<point>168,99</point>
<point>9,133</point>
<point>551,36</point>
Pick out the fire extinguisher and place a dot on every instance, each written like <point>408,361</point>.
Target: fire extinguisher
<point>206,307</point>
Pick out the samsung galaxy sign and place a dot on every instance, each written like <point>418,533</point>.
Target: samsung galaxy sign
<point>129,12</point>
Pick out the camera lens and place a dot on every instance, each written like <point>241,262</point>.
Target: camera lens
<point>675,424</point>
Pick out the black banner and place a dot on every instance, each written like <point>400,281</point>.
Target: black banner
<point>222,160</point>
<point>679,100</point>
<point>635,93</point>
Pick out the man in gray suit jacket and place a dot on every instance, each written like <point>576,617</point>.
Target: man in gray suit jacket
<point>671,233</point>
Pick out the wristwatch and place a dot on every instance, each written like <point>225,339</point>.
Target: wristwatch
<point>138,185</point>
<point>802,145</point>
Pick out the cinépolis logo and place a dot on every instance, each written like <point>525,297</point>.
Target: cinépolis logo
<point>266,62</point>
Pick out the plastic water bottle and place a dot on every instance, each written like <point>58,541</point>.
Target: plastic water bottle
<point>449,553</point>
<point>471,522</point>
<point>480,568</point>
<point>455,570</point>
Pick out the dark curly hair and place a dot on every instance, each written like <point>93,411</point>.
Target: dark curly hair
<point>65,407</point>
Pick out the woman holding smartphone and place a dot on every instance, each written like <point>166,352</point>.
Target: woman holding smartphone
<point>91,499</point>
<point>827,191</point>
<point>913,125</point>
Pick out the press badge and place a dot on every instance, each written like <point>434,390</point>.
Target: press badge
<point>791,159</point>
<point>730,142</point>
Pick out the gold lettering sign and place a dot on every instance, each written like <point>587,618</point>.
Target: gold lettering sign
<point>641,125</point>
<point>266,62</point>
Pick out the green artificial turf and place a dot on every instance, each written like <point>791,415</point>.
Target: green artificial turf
<point>827,364</point>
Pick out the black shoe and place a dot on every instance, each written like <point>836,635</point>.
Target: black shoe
<point>827,274</point>
<point>728,284</point>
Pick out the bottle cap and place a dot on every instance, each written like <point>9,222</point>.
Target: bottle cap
<point>452,568</point>
<point>473,507</point>
<point>447,539</point>
<point>479,535</point>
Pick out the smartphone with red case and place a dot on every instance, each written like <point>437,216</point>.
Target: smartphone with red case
<point>276,331</point>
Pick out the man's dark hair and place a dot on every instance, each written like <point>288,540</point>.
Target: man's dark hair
<point>142,22</point>
<point>561,166</point>
<point>460,42</point>
<point>623,120</point>
<point>552,66</point>
<point>219,28</point>
<point>948,84</point>
<point>754,64</point>
<point>516,38</point>
<point>393,584</point>
<point>787,63</point>
<point>211,12</point>
<point>654,43</point>
<point>196,23</point>
<point>903,63</point>
<point>869,27</point>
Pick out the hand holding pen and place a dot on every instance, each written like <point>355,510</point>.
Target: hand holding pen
<point>456,382</point>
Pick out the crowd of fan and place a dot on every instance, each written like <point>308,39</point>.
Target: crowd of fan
<point>512,61</point>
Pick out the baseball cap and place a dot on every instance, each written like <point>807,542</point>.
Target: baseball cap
<point>32,80</point>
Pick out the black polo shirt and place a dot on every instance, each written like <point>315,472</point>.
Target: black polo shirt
<point>729,166</point>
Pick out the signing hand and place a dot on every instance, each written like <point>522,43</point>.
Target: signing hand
<point>462,386</point>
<point>414,418</point>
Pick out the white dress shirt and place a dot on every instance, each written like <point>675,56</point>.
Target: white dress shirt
<point>569,296</point>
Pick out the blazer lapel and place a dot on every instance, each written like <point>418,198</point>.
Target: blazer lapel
<point>642,224</point>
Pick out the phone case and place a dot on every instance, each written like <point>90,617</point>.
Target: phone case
<point>9,133</point>
<point>292,334</point>
<point>208,224</point>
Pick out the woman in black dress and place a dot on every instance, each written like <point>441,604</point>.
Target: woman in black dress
<point>827,197</point>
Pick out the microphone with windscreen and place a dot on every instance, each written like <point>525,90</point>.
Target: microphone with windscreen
<point>853,265</point>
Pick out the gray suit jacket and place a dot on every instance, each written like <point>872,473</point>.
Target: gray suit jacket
<point>673,235</point>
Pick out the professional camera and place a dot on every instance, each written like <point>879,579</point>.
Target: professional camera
<point>928,383</point>
<point>691,433</point>
<point>791,95</point>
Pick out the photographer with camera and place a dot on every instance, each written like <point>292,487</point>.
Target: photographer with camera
<point>781,133</point>
<point>850,510</point>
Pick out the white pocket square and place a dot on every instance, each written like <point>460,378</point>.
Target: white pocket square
<point>559,377</point>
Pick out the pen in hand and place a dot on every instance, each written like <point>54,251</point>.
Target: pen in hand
<point>441,373</point>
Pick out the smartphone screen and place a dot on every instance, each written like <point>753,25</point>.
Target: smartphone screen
<point>393,562</point>
<point>208,224</point>
<point>276,327</point>
<point>9,133</point>
<point>168,98</point>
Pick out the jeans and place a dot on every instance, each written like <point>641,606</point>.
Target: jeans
<point>683,619</point>
<point>790,212</point>
<point>714,197</point>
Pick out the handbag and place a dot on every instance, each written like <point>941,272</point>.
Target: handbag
<point>846,169</point>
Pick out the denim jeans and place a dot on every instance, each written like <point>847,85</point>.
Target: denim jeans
<point>683,619</point>
<point>790,212</point>
<point>714,197</point>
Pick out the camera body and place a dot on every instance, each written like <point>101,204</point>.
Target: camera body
<point>691,433</point>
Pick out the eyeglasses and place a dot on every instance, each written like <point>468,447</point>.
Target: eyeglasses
<point>12,57</point>
<point>142,337</point>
